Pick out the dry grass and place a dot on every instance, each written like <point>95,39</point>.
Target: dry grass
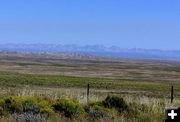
<point>131,70</point>
<point>140,81</point>
<point>156,106</point>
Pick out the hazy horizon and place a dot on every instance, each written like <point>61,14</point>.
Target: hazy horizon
<point>83,45</point>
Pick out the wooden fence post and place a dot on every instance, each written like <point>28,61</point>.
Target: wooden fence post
<point>172,94</point>
<point>88,94</point>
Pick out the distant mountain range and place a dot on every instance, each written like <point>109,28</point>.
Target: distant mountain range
<point>96,50</point>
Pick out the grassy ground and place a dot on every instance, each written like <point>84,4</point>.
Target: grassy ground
<point>139,109</point>
<point>21,80</point>
<point>154,95</point>
<point>144,82</point>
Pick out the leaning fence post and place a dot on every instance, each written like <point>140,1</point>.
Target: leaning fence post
<point>88,93</point>
<point>172,94</point>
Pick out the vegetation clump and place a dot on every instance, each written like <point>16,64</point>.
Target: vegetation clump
<point>97,112</point>
<point>68,108</point>
<point>42,109</point>
<point>115,102</point>
<point>25,108</point>
<point>104,108</point>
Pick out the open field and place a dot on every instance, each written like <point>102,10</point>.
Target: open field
<point>97,67</point>
<point>66,76</point>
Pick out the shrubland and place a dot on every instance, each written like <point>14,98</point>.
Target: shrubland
<point>112,108</point>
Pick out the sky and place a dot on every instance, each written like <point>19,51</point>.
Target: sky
<point>150,24</point>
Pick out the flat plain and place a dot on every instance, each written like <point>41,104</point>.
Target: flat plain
<point>67,75</point>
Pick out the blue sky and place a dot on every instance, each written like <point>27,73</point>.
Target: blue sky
<point>124,23</point>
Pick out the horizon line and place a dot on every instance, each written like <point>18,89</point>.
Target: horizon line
<point>83,45</point>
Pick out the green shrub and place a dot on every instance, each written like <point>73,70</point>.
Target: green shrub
<point>46,110</point>
<point>96,112</point>
<point>104,108</point>
<point>37,105</point>
<point>12,105</point>
<point>99,103</point>
<point>25,104</point>
<point>2,102</point>
<point>45,107</point>
<point>115,102</point>
<point>68,108</point>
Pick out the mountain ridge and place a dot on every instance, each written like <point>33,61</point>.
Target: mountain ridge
<point>96,50</point>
